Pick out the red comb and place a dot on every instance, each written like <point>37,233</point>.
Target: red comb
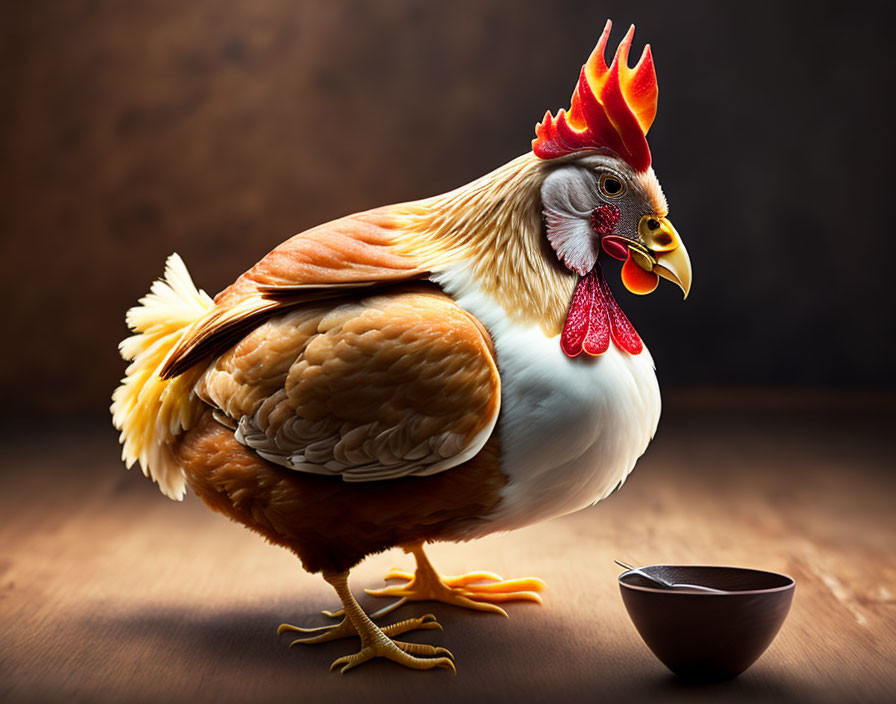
<point>612,107</point>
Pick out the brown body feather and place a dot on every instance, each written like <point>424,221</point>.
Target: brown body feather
<point>376,386</point>
<point>394,382</point>
<point>328,523</point>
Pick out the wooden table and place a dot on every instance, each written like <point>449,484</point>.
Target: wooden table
<point>110,592</point>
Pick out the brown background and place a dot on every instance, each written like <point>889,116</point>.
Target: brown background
<point>217,128</point>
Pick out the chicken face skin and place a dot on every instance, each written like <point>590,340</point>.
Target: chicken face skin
<point>599,203</point>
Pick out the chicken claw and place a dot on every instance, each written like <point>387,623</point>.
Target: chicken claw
<point>375,642</point>
<point>480,591</point>
<point>399,652</point>
<point>345,629</point>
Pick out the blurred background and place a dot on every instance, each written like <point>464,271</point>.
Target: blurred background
<point>218,128</point>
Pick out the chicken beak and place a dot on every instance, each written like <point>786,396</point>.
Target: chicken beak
<point>664,253</point>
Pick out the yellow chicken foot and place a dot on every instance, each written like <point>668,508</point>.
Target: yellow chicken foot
<point>345,629</point>
<point>467,590</point>
<point>375,643</point>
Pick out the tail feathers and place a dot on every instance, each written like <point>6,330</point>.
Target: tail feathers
<point>151,412</point>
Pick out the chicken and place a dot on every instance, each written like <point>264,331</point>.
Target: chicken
<point>431,371</point>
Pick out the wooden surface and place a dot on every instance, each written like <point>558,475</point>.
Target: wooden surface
<point>110,592</point>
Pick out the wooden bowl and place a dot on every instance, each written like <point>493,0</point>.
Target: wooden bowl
<point>706,635</point>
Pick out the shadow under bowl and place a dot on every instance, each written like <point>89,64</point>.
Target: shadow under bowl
<point>707,635</point>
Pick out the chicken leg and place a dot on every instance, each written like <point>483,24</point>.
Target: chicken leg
<point>477,590</point>
<point>345,629</point>
<point>375,643</point>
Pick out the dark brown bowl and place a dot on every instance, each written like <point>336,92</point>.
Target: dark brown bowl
<point>705,635</point>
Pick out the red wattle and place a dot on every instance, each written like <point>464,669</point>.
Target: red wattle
<point>594,318</point>
<point>587,327</point>
<point>636,279</point>
<point>597,339</point>
<point>624,334</point>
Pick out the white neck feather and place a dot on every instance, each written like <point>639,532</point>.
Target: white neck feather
<point>571,429</point>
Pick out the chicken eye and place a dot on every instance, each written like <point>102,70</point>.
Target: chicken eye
<point>611,186</point>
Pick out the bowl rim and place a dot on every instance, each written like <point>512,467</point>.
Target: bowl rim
<point>657,590</point>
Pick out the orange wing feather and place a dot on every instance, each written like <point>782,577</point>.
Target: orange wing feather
<point>320,263</point>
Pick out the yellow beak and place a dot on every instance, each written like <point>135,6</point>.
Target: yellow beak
<point>665,253</point>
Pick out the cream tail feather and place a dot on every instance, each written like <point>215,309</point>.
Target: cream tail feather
<point>151,412</point>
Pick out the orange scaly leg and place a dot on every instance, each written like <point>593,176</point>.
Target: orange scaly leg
<point>375,642</point>
<point>480,591</point>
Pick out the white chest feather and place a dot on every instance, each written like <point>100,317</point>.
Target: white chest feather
<point>571,429</point>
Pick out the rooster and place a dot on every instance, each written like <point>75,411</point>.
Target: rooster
<point>431,371</point>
